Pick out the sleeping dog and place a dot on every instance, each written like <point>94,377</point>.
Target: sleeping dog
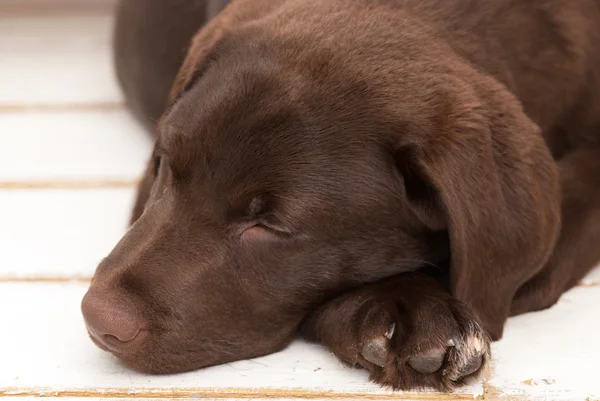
<point>390,178</point>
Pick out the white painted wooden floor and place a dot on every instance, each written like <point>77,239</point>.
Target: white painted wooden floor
<point>69,157</point>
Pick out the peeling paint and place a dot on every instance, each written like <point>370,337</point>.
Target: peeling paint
<point>537,382</point>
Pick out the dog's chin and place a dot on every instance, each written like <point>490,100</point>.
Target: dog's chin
<point>156,365</point>
<point>148,361</point>
<point>164,364</point>
<point>159,355</point>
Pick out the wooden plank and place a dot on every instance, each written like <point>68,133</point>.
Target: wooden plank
<point>551,354</point>
<point>58,234</point>
<point>56,59</point>
<point>90,145</point>
<point>50,354</point>
<point>593,278</point>
<point>61,235</point>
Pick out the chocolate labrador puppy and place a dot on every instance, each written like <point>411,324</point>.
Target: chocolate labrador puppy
<point>391,178</point>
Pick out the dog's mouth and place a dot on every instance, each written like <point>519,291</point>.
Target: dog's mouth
<point>98,343</point>
<point>128,358</point>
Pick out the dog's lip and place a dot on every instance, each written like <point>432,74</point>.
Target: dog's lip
<point>98,343</point>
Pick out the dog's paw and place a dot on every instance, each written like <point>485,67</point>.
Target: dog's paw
<point>426,358</point>
<point>428,341</point>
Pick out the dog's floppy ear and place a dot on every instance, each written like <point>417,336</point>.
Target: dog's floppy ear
<point>487,176</point>
<point>204,48</point>
<point>198,58</point>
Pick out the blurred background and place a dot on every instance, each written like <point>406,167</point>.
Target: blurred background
<point>70,153</point>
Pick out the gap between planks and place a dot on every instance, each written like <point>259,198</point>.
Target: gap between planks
<point>61,107</point>
<point>228,393</point>
<point>489,393</point>
<point>69,184</point>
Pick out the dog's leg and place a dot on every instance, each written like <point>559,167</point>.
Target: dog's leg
<point>578,248</point>
<point>408,331</point>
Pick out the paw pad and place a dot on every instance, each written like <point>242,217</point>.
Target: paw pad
<point>428,362</point>
<point>376,350</point>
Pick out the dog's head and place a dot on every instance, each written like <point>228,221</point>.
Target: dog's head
<point>282,176</point>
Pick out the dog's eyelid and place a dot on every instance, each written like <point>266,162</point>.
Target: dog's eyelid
<point>274,226</point>
<point>259,230</point>
<point>266,224</point>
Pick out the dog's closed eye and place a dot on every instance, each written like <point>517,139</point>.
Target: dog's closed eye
<point>258,232</point>
<point>263,223</point>
<point>263,231</point>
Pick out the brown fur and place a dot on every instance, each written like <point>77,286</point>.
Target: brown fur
<point>315,154</point>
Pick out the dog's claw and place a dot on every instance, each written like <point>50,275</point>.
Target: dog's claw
<point>428,362</point>
<point>390,333</point>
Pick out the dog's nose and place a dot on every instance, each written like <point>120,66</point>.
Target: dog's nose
<point>112,320</point>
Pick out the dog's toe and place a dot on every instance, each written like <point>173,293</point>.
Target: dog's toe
<point>428,362</point>
<point>472,366</point>
<point>376,350</point>
<point>467,356</point>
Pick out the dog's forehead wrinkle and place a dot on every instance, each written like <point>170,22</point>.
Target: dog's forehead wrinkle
<point>254,128</point>
<point>209,138</point>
